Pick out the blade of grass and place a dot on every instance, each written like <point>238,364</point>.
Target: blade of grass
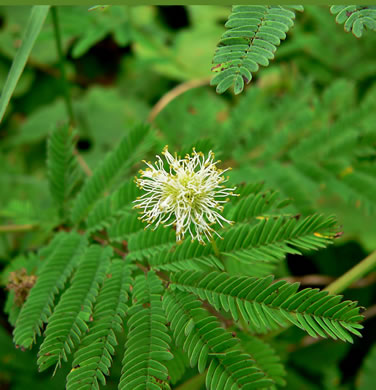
<point>32,30</point>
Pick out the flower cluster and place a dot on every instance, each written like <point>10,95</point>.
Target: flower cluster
<point>189,195</point>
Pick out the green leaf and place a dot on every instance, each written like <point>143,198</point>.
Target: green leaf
<point>206,342</point>
<point>61,258</point>
<point>69,320</point>
<point>94,355</point>
<point>355,17</point>
<point>32,30</point>
<point>148,342</point>
<point>63,169</point>
<point>268,306</point>
<point>254,33</point>
<point>116,163</point>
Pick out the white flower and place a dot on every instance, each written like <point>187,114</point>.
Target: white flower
<point>190,196</point>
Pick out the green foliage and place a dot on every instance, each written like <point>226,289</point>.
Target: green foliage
<point>146,244</point>
<point>106,210</point>
<point>177,365</point>
<point>316,149</point>
<point>116,163</point>
<point>267,306</point>
<point>201,336</point>
<point>366,377</point>
<point>87,318</point>
<point>63,169</point>
<point>69,319</point>
<point>93,358</point>
<point>61,258</point>
<point>266,359</point>
<point>148,342</point>
<point>255,32</point>
<point>273,237</point>
<point>124,227</point>
<point>106,300</point>
<point>355,17</point>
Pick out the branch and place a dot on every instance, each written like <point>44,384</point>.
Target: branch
<point>174,93</point>
<point>83,163</point>
<point>323,280</point>
<point>353,275</point>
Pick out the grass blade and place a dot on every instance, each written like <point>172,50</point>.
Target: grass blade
<point>32,30</point>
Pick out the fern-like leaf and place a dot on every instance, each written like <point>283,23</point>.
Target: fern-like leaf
<point>260,247</point>
<point>253,205</point>
<point>268,242</point>
<point>127,225</point>
<point>177,366</point>
<point>254,33</point>
<point>62,256</point>
<point>107,209</point>
<point>69,320</point>
<point>148,342</point>
<point>265,358</point>
<point>268,306</point>
<point>63,170</point>
<point>113,165</point>
<point>234,371</point>
<point>355,17</point>
<point>147,243</point>
<point>93,358</point>
<point>188,255</point>
<point>204,340</point>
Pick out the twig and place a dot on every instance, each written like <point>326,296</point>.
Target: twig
<point>17,228</point>
<point>323,280</point>
<point>83,163</point>
<point>174,93</point>
<point>370,312</point>
<point>353,275</point>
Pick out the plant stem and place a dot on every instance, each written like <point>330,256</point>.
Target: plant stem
<point>17,228</point>
<point>354,274</point>
<point>59,47</point>
<point>174,93</point>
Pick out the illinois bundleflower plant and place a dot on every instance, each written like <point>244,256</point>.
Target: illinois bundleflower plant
<point>190,195</point>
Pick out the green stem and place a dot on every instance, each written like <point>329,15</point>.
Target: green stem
<point>354,274</point>
<point>59,47</point>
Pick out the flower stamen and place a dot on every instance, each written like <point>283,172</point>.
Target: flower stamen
<point>186,197</point>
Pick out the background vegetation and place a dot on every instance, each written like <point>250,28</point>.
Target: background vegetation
<point>304,126</point>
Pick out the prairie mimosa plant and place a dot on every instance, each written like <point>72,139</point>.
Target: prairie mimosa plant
<point>165,295</point>
<point>183,275</point>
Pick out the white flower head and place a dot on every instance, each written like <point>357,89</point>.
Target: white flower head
<point>190,195</point>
